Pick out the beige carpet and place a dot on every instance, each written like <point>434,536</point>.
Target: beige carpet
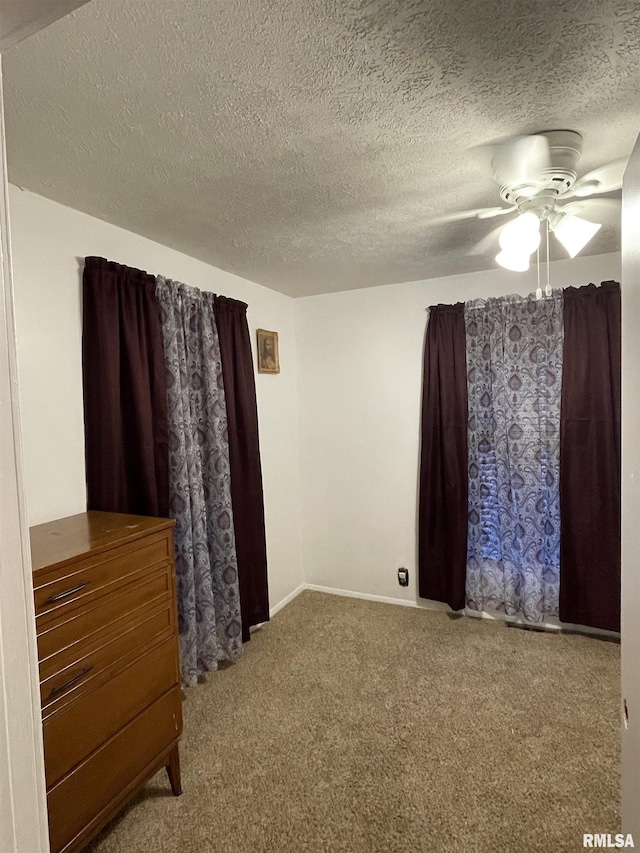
<point>354,726</point>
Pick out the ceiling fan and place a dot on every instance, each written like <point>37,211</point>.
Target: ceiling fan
<point>536,175</point>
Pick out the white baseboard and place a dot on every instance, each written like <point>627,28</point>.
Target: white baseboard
<point>551,623</point>
<point>382,599</point>
<point>273,610</point>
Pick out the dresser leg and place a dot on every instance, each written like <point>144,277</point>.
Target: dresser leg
<point>173,771</point>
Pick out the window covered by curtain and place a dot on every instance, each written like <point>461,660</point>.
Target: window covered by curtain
<point>541,527</point>
<point>514,371</point>
<point>199,482</point>
<point>171,424</point>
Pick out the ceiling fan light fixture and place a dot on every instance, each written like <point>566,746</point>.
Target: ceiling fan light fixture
<point>574,233</point>
<point>521,236</point>
<point>514,261</point>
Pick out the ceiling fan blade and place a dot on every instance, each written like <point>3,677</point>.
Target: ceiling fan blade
<point>521,161</point>
<point>491,212</point>
<point>604,210</point>
<point>488,243</point>
<point>480,213</point>
<point>604,179</point>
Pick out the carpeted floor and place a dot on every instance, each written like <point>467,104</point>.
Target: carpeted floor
<point>354,726</point>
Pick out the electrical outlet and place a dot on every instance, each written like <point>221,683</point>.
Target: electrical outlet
<point>403,577</point>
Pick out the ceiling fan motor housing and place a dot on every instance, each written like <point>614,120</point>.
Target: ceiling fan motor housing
<point>544,186</point>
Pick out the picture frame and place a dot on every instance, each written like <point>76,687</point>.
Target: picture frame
<point>268,352</point>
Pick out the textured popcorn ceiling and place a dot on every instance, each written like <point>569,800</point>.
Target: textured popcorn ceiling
<point>303,143</point>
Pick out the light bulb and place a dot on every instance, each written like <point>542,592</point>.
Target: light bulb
<point>514,261</point>
<point>521,236</point>
<point>574,233</point>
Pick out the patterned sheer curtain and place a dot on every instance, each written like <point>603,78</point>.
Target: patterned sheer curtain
<point>199,481</point>
<point>514,371</point>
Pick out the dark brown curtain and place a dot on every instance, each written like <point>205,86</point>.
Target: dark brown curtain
<point>590,457</point>
<point>442,522</point>
<point>125,392</point>
<point>244,454</point>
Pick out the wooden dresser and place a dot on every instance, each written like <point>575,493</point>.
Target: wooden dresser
<point>106,621</point>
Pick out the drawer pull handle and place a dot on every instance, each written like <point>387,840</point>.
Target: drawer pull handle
<point>65,593</point>
<point>61,687</point>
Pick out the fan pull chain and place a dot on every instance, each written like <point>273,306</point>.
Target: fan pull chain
<point>539,289</point>
<point>548,289</point>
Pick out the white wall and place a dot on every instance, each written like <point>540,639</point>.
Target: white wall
<point>360,383</point>
<point>631,493</point>
<point>49,245</point>
<point>351,375</point>
<point>23,812</point>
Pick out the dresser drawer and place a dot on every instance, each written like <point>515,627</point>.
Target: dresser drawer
<point>63,588</point>
<point>83,625</point>
<point>80,799</point>
<point>80,727</point>
<point>58,685</point>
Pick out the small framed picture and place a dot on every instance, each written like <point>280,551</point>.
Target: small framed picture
<point>268,356</point>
